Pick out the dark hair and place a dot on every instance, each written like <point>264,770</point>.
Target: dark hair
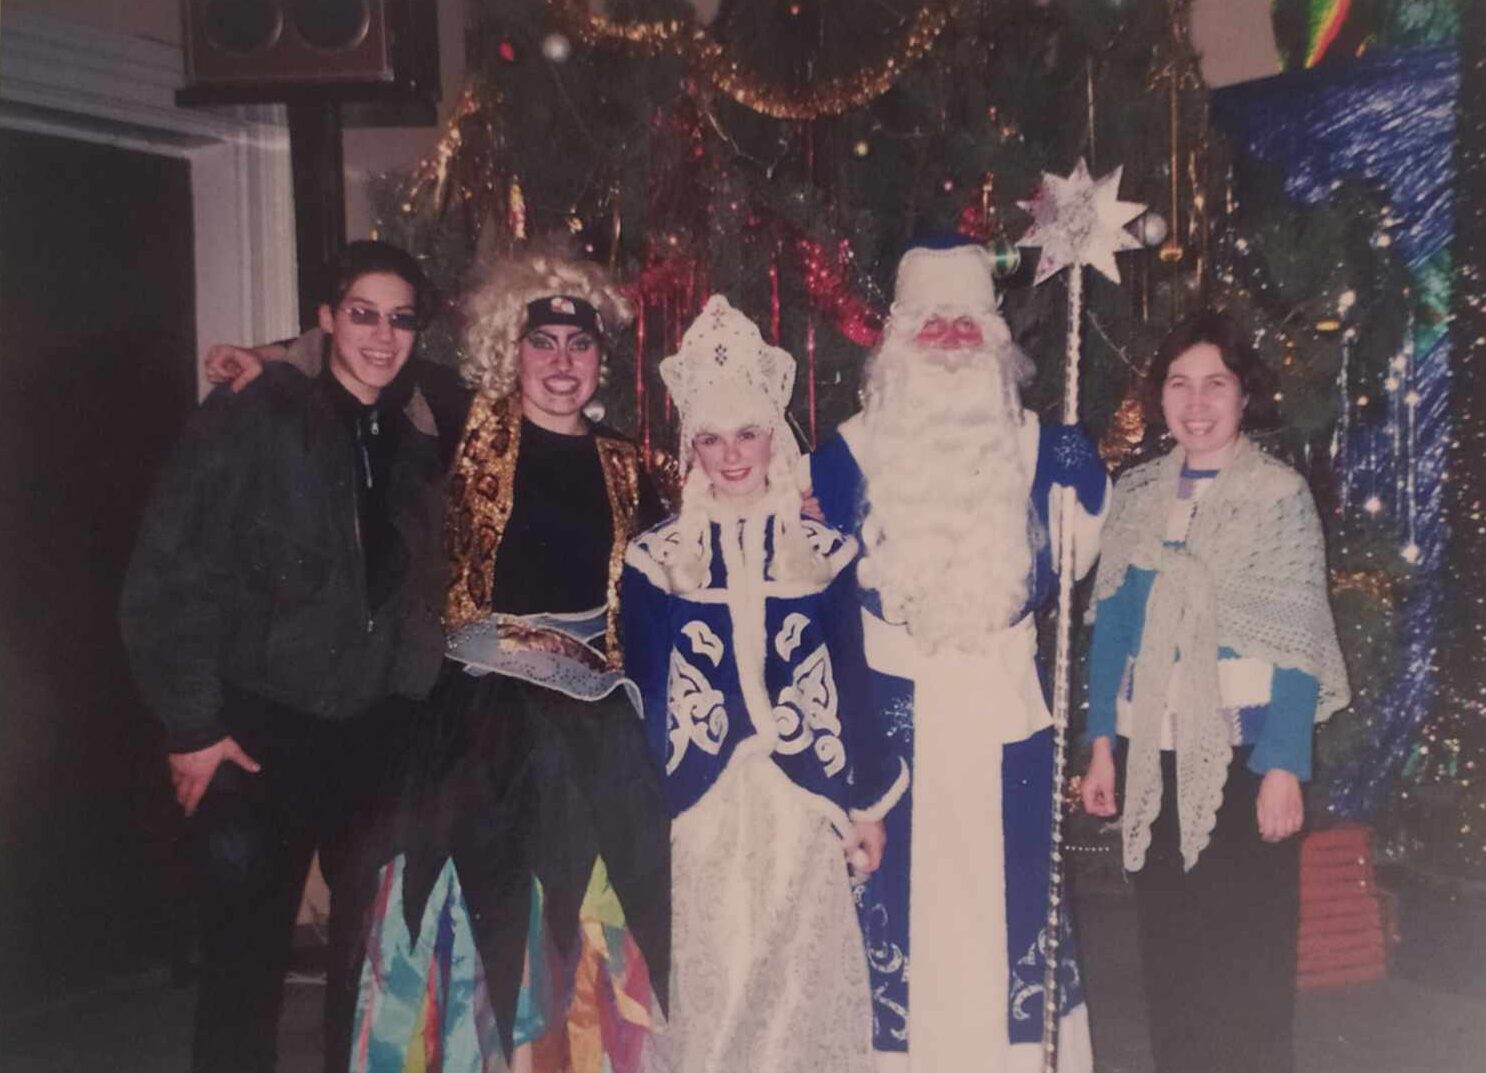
<point>366,257</point>
<point>1217,328</point>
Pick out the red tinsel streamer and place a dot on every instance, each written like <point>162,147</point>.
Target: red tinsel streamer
<point>662,275</point>
<point>774,300</point>
<point>667,334</point>
<point>810,374</point>
<point>827,287</point>
<point>642,424</point>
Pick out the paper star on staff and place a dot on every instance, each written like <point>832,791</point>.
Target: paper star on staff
<point>1080,220</point>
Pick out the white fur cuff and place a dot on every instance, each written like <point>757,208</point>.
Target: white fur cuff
<point>884,804</point>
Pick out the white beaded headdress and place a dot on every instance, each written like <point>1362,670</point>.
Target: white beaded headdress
<point>725,376</point>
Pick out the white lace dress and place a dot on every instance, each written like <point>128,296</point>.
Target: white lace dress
<point>768,970</point>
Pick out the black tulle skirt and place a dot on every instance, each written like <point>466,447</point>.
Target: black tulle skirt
<point>528,827</point>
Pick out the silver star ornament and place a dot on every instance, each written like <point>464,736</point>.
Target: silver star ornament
<point>1080,220</point>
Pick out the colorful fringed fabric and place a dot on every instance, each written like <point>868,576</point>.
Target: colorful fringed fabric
<point>423,1005</point>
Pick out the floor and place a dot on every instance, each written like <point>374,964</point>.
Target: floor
<point>142,1024</point>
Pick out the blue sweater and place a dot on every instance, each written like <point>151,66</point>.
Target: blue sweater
<point>1277,721</point>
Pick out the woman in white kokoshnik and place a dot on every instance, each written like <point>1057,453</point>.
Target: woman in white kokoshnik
<point>742,632</point>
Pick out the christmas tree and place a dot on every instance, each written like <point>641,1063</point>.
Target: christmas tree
<point>786,152</point>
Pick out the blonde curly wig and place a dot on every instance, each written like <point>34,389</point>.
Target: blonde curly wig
<point>495,311</point>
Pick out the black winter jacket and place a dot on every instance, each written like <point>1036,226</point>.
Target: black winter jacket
<point>248,570</point>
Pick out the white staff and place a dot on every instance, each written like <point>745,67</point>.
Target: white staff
<point>1077,221</point>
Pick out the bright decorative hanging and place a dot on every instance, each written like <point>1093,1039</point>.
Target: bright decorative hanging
<point>715,64</point>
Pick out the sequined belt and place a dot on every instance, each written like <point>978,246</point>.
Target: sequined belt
<point>554,651</point>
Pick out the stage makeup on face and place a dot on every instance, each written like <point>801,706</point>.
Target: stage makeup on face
<point>559,373</point>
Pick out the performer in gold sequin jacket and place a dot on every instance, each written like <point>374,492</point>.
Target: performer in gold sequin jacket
<point>524,879</point>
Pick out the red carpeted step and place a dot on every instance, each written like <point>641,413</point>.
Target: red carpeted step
<point>1342,935</point>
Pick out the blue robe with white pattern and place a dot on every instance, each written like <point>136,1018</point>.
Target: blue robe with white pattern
<point>839,486</point>
<point>684,651</point>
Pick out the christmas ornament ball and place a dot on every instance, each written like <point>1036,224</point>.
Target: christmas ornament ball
<point>861,149</point>
<point>1151,229</point>
<point>1005,258</point>
<point>556,48</point>
<point>1171,251</point>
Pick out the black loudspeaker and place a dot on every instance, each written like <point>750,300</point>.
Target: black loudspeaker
<point>304,51</point>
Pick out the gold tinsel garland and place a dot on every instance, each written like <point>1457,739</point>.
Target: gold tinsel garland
<point>1376,585</point>
<point>712,61</point>
<point>431,176</point>
<point>706,57</point>
<point>1126,427</point>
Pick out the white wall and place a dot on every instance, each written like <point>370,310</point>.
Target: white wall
<point>67,79</point>
<point>154,20</point>
<point>367,151</point>
<point>1236,40</point>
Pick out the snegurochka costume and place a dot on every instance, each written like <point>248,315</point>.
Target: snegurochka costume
<point>527,896</point>
<point>955,918</point>
<point>1214,654</point>
<point>742,631</point>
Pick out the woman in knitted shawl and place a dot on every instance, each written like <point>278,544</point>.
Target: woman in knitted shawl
<point>1214,654</point>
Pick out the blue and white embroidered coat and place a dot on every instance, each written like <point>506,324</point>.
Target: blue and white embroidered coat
<point>755,653</point>
<point>998,696</point>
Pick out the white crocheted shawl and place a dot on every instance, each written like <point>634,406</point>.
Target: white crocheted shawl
<point>1251,576</point>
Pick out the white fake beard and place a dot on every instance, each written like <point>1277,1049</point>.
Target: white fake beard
<point>949,535</point>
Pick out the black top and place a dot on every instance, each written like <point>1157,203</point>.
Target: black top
<point>555,552</point>
<point>373,429</point>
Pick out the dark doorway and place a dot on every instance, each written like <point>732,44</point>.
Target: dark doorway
<point>97,376</point>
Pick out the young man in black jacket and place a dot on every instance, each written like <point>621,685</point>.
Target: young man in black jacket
<point>280,609</point>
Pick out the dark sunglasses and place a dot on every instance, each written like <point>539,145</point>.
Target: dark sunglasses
<point>366,317</point>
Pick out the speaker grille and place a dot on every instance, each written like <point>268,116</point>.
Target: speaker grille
<point>241,27</point>
<point>310,50</point>
<point>330,25</point>
<point>289,42</point>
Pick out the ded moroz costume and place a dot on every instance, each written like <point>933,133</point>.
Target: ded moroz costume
<point>947,480</point>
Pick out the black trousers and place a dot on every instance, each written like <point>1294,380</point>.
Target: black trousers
<point>252,839</point>
<point>1217,943</point>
